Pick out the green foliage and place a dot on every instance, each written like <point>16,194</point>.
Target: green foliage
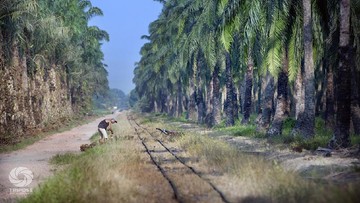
<point>61,159</point>
<point>238,130</point>
<point>288,125</point>
<point>95,137</point>
<point>355,139</point>
<point>321,138</point>
<point>190,39</point>
<point>133,98</point>
<point>144,105</point>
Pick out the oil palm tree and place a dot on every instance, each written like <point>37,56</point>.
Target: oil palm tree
<point>341,137</point>
<point>305,123</point>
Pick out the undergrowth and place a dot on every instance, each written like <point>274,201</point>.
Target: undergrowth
<point>321,138</point>
<point>62,159</point>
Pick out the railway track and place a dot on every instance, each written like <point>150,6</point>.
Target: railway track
<point>188,185</point>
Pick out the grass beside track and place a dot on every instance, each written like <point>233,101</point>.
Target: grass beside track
<point>106,173</point>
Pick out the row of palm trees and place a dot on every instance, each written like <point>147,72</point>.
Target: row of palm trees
<point>55,33</point>
<point>213,59</point>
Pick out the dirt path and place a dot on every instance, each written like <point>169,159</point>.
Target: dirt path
<point>36,158</point>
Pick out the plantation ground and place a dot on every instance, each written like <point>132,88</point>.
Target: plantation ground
<point>242,169</point>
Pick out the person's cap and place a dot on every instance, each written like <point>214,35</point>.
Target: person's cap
<point>113,120</point>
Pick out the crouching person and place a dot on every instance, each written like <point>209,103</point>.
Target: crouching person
<point>103,126</point>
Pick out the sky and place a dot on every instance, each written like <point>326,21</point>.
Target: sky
<point>125,21</point>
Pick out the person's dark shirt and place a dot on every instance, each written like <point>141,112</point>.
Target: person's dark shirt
<point>103,124</point>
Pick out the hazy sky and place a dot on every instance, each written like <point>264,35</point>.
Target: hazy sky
<point>125,21</point>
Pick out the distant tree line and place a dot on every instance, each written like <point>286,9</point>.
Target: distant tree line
<point>225,60</point>
<point>113,98</point>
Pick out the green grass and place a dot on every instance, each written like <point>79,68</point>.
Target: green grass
<point>321,138</point>
<point>62,159</point>
<point>87,178</point>
<point>239,130</point>
<point>355,139</point>
<point>95,137</point>
<point>61,187</point>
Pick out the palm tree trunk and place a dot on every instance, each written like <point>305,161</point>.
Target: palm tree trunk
<point>171,101</point>
<point>163,102</point>
<point>192,100</point>
<point>320,89</point>
<point>209,97</point>
<point>309,79</point>
<point>200,101</point>
<point>299,94</point>
<point>305,123</point>
<point>341,137</point>
<point>248,91</point>
<point>209,103</point>
<point>330,110</point>
<point>355,99</point>
<point>235,103</point>
<point>282,104</point>
<point>216,111</point>
<point>200,106</point>
<point>229,111</point>
<point>266,104</point>
<point>179,99</point>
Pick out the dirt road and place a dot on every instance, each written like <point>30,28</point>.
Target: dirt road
<point>36,158</point>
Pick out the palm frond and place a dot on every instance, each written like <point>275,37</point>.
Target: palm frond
<point>94,11</point>
<point>226,36</point>
<point>295,49</point>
